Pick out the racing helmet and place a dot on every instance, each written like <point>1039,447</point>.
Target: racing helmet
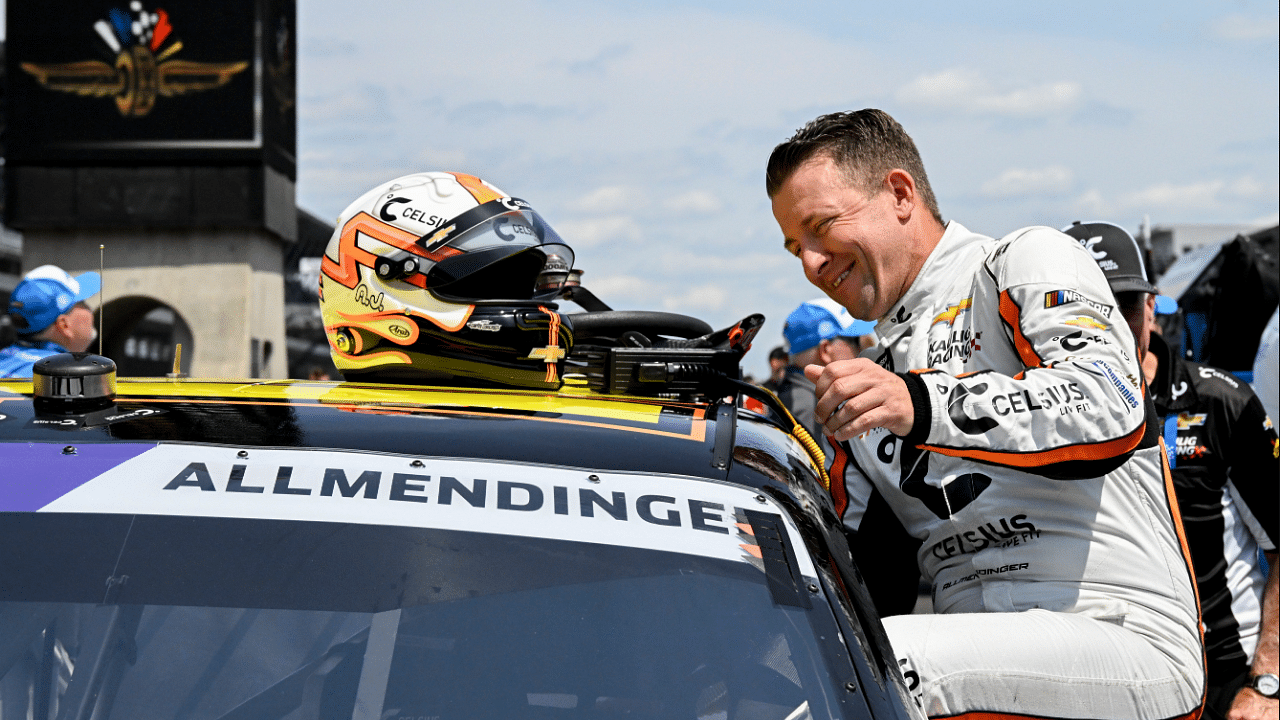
<point>442,278</point>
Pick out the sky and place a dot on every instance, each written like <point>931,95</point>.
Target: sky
<point>640,128</point>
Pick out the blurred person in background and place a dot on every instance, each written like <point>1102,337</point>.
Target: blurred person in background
<point>49,311</point>
<point>860,335</point>
<point>1222,450</point>
<point>777,368</point>
<point>813,333</point>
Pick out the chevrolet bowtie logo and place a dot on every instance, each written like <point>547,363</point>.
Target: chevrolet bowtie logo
<point>142,72</point>
<point>949,315</point>
<point>549,354</point>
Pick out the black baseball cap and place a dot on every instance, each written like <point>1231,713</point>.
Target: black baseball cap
<point>1116,252</point>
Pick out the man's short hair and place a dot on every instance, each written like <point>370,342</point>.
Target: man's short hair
<point>866,145</point>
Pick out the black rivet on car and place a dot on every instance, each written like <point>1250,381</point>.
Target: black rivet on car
<point>813,588</point>
<point>760,498</point>
<point>242,454</point>
<point>850,687</point>
<point>69,450</point>
<point>593,478</point>
<point>416,463</point>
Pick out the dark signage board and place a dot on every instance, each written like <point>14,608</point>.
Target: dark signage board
<point>151,82</point>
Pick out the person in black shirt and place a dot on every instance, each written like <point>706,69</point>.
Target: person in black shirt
<point>1222,451</point>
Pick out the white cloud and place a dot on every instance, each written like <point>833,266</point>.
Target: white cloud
<point>967,91</point>
<point>1244,27</point>
<point>694,202</point>
<point>1250,188</point>
<point>1022,182</point>
<point>355,105</point>
<point>732,264</point>
<point>607,199</point>
<point>1268,220</point>
<point>1092,204</point>
<point>442,158</point>
<point>1198,195</point>
<point>1211,198</point>
<point>599,63</point>
<point>620,290</point>
<point>704,297</point>
<point>590,232</point>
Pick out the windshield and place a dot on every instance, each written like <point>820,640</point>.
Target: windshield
<point>219,618</point>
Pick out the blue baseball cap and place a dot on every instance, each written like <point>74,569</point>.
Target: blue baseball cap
<point>815,321</point>
<point>858,328</point>
<point>47,292</point>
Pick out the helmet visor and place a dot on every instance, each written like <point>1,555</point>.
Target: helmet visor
<point>502,250</point>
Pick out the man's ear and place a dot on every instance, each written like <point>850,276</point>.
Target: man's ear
<point>903,187</point>
<point>62,324</point>
<point>824,352</point>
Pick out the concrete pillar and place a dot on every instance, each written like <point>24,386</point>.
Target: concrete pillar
<point>227,285</point>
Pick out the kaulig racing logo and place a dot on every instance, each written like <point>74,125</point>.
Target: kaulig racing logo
<point>960,344</point>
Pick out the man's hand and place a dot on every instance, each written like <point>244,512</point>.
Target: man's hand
<point>1249,705</point>
<point>857,395</point>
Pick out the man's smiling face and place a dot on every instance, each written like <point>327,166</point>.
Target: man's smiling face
<point>854,247</point>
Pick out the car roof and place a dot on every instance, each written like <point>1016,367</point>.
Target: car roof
<point>572,428</point>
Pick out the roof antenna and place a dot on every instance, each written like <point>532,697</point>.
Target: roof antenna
<point>102,295</point>
<point>177,363</point>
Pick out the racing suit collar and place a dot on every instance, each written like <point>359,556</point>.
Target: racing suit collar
<point>1172,389</point>
<point>917,295</point>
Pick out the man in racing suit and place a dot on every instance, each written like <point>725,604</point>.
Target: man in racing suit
<point>1003,422</point>
<point>1223,452</point>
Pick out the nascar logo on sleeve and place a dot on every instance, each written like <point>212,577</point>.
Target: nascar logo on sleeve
<point>1057,298</point>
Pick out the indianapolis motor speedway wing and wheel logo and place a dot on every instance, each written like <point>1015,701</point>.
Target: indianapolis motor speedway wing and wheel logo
<point>145,67</point>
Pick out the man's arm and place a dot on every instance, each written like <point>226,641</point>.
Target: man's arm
<point>1254,487</point>
<point>1076,409</point>
<point>1249,705</point>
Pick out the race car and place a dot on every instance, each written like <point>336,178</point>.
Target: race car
<point>185,548</point>
<point>506,510</point>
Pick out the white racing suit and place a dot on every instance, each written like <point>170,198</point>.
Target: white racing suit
<point>1037,488</point>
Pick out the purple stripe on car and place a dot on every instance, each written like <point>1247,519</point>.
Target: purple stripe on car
<point>32,475</point>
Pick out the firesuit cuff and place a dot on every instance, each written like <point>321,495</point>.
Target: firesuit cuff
<point>920,405</point>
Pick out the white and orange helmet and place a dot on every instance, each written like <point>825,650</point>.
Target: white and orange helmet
<point>440,277</point>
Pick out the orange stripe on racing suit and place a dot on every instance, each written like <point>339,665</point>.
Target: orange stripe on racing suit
<point>1012,315</point>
